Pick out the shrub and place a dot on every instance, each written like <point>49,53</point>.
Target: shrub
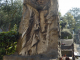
<point>8,42</point>
<point>66,35</point>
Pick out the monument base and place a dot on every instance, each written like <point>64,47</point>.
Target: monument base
<point>18,57</point>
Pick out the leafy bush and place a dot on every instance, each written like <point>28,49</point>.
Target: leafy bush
<point>8,42</point>
<point>66,35</point>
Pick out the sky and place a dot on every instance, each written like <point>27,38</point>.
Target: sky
<point>65,5</point>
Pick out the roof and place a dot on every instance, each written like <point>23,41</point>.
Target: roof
<point>66,42</point>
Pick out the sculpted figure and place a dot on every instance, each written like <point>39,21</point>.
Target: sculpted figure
<point>39,28</point>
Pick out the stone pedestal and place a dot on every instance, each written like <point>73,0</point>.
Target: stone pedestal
<point>17,57</point>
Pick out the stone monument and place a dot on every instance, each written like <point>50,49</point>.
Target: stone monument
<point>39,28</point>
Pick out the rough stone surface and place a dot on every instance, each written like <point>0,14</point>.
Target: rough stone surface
<point>39,28</point>
<point>17,57</point>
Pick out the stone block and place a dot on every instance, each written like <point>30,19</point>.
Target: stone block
<point>17,57</point>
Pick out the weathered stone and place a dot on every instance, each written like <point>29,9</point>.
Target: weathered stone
<point>17,57</point>
<point>39,28</point>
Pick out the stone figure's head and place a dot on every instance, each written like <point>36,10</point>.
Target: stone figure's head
<point>38,4</point>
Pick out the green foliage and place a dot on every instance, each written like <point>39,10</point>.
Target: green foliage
<point>63,24</point>
<point>15,28</point>
<point>8,41</point>
<point>67,21</point>
<point>72,20</point>
<point>74,11</point>
<point>66,35</point>
<point>10,14</point>
<point>76,14</point>
<point>10,17</point>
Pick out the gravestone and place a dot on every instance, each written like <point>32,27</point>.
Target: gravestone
<point>39,28</point>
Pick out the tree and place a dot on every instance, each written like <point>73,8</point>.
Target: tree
<point>62,21</point>
<point>70,21</point>
<point>67,21</point>
<point>74,11</point>
<point>10,15</point>
<point>76,14</point>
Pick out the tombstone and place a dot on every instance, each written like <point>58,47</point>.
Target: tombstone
<point>39,28</point>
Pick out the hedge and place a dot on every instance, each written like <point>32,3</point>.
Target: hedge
<point>8,42</point>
